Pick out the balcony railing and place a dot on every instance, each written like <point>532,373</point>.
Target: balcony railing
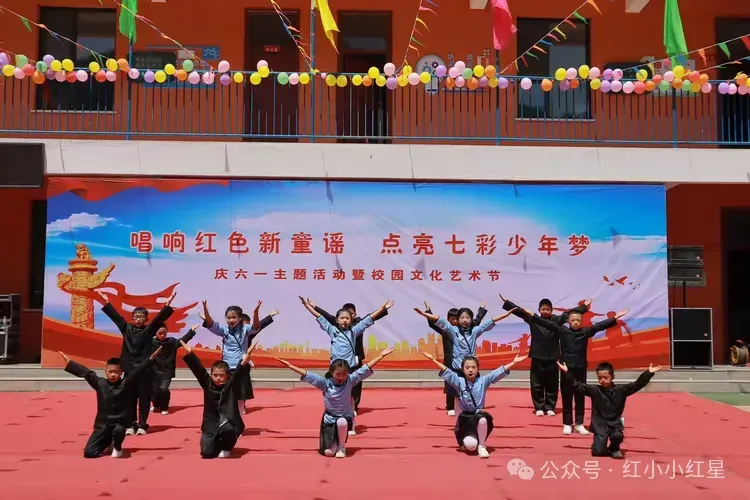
<point>315,112</point>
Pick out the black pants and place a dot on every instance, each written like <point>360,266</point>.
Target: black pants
<point>615,435</point>
<point>566,390</point>
<point>545,380</point>
<point>450,397</point>
<point>141,402</point>
<point>101,438</point>
<point>160,393</point>
<point>224,440</point>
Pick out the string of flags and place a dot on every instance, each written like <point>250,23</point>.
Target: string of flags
<point>294,34</point>
<point>425,6</point>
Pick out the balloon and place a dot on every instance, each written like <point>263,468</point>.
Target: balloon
<point>225,79</point>
<point>112,65</point>
<point>425,77</point>
<point>460,66</point>
<point>441,71</point>
<point>490,71</point>
<point>48,59</point>
<point>224,67</point>
<point>574,84</point>
<point>617,74</point>
<point>560,74</point>
<point>4,59</point>
<point>71,77</point>
<point>703,78</point>
<point>743,90</point>
<point>616,85</point>
<point>93,67</point>
<point>68,65</point>
<point>406,70</point>
<point>357,80</point>
<point>168,69</point>
<point>402,80</point>
<point>367,81</point>
<point>460,81</point>
<point>38,77</point>
<point>606,86</point>
<point>694,76</point>
<point>678,72</point>
<point>282,78</point>
<point>294,78</point>
<point>209,77</point>
<point>304,78</point>
<point>483,81</point>
<point>56,66</point>
<point>391,83</point>
<point>595,84</point>
<point>565,85</point>
<point>454,72</point>
<point>732,89</point>
<point>657,79</point>
<point>194,78</point>
<point>472,83</point>
<point>628,87</point>
<point>694,86</point>
<point>323,76</point>
<point>449,83</point>
<point>502,82</point>
<point>664,86</point>
<point>677,83</point>
<point>389,69</point>
<point>28,69</point>
<point>188,65</point>
<point>669,76</point>
<point>111,76</point>
<point>60,76</point>
<point>341,81</point>
<point>546,85</point>
<point>584,71</point>
<point>642,75</point>
<point>161,76</point>
<point>413,79</point>
<point>255,78</point>
<point>479,71</point>
<point>133,73</point>
<point>261,64</point>
<point>640,88</point>
<point>82,75</point>
<point>467,73</point>
<point>571,73</point>
<point>49,74</point>
<point>264,72</point>
<point>607,75</point>
<point>492,82</point>
<point>123,65</point>
<point>741,78</point>
<point>381,81</point>
<point>706,88</point>
<point>594,73</point>
<point>101,76</point>
<point>238,77</point>
<point>526,83</point>
<point>181,75</point>
<point>330,80</point>
<point>18,73</point>
<point>21,61</point>
<point>373,72</point>
<point>686,85</point>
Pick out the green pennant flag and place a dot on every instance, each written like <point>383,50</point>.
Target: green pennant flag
<point>26,23</point>
<point>674,36</point>
<point>725,49</point>
<point>580,17</point>
<point>127,18</point>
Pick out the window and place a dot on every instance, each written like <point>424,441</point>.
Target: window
<point>570,52</point>
<point>92,28</point>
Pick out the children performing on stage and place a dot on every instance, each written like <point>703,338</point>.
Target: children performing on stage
<point>222,390</point>
<point>337,385</point>
<point>473,424</point>
<point>114,396</point>
<point>164,366</point>
<point>137,338</point>
<point>607,404</point>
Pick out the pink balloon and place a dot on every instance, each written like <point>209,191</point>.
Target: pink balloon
<point>669,76</point>
<point>526,83</point>
<point>502,82</point>
<point>460,82</point>
<point>323,76</point>
<point>194,78</point>
<point>454,72</point>
<point>732,89</point>
<point>460,65</point>
<point>208,78</point>
<point>389,69</point>
<point>606,86</point>
<point>742,90</point>
<point>706,88</point>
<point>617,74</point>
<point>134,74</point>
<point>261,64</point>
<point>111,76</point>
<point>628,87</point>
<point>294,79</point>
<point>571,73</point>
<point>616,86</point>
<point>413,79</point>
<point>18,73</point>
<point>60,76</point>
<point>224,66</point>
<point>594,73</point>
<point>82,75</point>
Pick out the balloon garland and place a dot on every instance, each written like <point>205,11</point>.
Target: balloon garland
<point>458,76</point>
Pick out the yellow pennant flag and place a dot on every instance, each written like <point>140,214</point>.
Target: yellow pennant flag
<point>563,34</point>
<point>326,18</point>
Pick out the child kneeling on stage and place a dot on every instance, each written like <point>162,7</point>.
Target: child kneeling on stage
<point>473,424</point>
<point>113,403</point>
<point>337,385</point>
<point>222,420</point>
<point>607,404</point>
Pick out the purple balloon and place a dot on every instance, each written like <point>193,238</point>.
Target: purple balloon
<point>502,82</point>
<point>606,86</point>
<point>391,83</point>
<point>607,75</point>
<point>564,85</point>
<point>723,88</point>
<point>4,59</point>
<point>149,76</point>
<point>440,71</point>
<point>483,81</point>
<point>50,74</point>
<point>224,80</point>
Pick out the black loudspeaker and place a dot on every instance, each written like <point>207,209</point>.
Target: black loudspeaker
<point>685,264</point>
<point>10,317</point>
<point>692,337</point>
<point>22,165</point>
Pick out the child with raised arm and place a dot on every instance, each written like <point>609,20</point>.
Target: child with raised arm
<point>113,402</point>
<point>337,385</point>
<point>236,336</point>
<point>164,366</point>
<point>473,424</point>
<point>137,338</point>
<point>574,342</point>
<point>607,404</point>
<point>222,422</point>
<point>264,323</point>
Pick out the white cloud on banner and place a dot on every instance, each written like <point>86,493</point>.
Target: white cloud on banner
<point>77,222</point>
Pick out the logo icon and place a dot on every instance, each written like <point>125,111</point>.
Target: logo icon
<point>518,467</point>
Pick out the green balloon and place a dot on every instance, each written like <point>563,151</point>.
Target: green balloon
<point>468,73</point>
<point>188,65</point>
<point>686,84</point>
<point>283,78</point>
<point>664,86</point>
<point>41,66</point>
<point>21,61</point>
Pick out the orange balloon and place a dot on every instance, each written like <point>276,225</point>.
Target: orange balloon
<point>38,77</point>
<point>72,77</point>
<point>703,78</point>
<point>123,65</point>
<point>650,86</point>
<point>677,83</point>
<point>366,80</point>
<point>546,85</point>
<point>490,71</point>
<point>449,83</point>
<point>181,75</point>
<point>694,76</point>
<point>472,84</point>
<point>741,79</point>
<point>575,83</point>
<point>657,79</point>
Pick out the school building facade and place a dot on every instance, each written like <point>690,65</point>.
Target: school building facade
<point>694,144</point>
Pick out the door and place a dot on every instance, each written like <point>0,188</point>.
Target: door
<point>734,110</point>
<point>271,112</point>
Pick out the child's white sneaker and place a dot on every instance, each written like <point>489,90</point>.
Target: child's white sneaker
<point>550,413</point>
<point>539,413</point>
<point>482,452</point>
<point>567,430</point>
<point>341,452</point>
<point>352,432</point>
<point>580,429</point>
<point>622,419</point>
<point>224,454</point>
<point>329,452</point>
<point>152,408</point>
<point>355,413</point>
<point>141,432</point>
<point>130,431</point>
<point>451,413</point>
<point>116,453</point>
<point>165,412</point>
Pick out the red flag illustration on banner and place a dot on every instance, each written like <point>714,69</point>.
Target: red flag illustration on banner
<point>502,24</point>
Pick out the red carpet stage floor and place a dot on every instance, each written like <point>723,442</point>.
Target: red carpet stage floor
<point>405,448</point>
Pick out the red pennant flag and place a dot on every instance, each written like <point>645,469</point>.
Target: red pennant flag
<point>502,24</point>
<point>746,40</point>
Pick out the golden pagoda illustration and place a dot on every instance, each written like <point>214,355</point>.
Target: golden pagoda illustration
<point>80,284</point>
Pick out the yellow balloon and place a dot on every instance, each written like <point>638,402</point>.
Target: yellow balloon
<point>238,77</point>
<point>560,74</point>
<point>425,77</point>
<point>255,78</point>
<point>8,70</point>
<point>94,67</point>
<point>380,81</point>
<point>407,70</point>
<point>695,86</point>
<point>68,65</point>
<point>642,75</point>
<point>373,72</point>
<point>160,76</point>
<point>341,81</point>
<point>304,78</point>
<point>492,82</point>
<point>584,71</point>
<point>169,69</point>
<point>403,80</point>
<point>479,71</point>
<point>330,80</point>
<point>595,84</point>
<point>112,65</point>
<point>55,66</point>
<point>264,72</point>
<point>357,80</point>
<point>678,71</point>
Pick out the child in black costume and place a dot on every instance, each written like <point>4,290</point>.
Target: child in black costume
<point>164,366</point>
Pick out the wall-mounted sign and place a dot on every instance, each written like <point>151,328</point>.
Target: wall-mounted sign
<point>429,63</point>
<point>663,65</point>
<point>271,49</point>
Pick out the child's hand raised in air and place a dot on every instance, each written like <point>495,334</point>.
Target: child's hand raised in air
<point>257,307</point>
<point>622,313</point>
<point>388,304</point>
<point>420,312</point>
<point>155,353</point>
<point>427,306</point>
<point>283,362</point>
<point>588,302</point>
<point>187,348</point>
<point>171,298</point>
<point>519,358</point>
<point>654,369</point>
<point>428,355</point>
<point>274,312</point>
<point>64,357</point>
<point>195,327</point>
<point>388,351</point>
<point>102,298</point>
<point>563,367</point>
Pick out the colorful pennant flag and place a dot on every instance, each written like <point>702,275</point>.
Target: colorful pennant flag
<point>502,24</point>
<point>327,20</point>
<point>128,11</point>
<point>674,37</point>
<point>725,49</point>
